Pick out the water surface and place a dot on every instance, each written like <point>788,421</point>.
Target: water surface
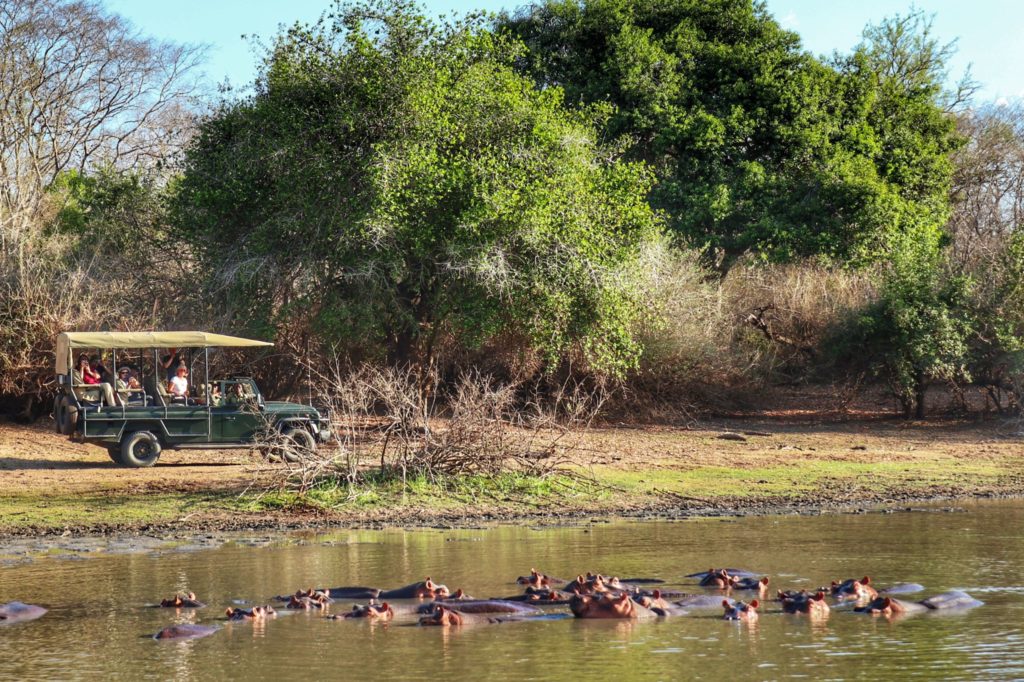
<point>98,625</point>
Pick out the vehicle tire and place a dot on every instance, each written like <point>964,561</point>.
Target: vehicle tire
<point>115,453</point>
<point>56,412</point>
<point>139,449</point>
<point>67,416</point>
<point>298,445</point>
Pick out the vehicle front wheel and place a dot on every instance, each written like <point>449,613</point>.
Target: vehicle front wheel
<point>298,445</point>
<point>67,415</point>
<point>139,449</point>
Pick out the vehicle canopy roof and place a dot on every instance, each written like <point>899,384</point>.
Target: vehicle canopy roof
<point>68,341</point>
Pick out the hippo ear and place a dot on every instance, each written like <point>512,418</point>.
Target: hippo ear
<point>384,606</point>
<point>835,584</point>
<point>229,612</point>
<point>865,580</point>
<point>753,604</point>
<point>657,594</point>
<point>725,603</point>
<point>887,603</point>
<point>819,596</point>
<point>764,581</point>
<point>780,595</point>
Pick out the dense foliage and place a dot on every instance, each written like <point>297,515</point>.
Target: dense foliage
<point>398,180</point>
<point>758,146</point>
<point>670,192</point>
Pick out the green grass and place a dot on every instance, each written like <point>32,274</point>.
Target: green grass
<point>103,509</point>
<point>610,489</point>
<point>798,478</point>
<point>431,494</point>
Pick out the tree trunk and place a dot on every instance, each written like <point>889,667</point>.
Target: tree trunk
<point>920,388</point>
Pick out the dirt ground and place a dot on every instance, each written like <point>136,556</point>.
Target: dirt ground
<point>794,457</point>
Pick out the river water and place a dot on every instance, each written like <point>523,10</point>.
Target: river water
<point>99,625</point>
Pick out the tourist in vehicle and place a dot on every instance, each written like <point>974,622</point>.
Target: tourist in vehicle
<point>128,387</point>
<point>87,375</point>
<point>171,361</point>
<point>216,397</point>
<point>177,387</point>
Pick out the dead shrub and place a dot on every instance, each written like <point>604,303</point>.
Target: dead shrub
<point>391,419</point>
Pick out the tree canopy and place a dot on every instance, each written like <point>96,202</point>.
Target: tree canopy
<point>394,179</point>
<point>757,145</point>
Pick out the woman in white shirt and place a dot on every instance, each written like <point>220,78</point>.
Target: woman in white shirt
<point>178,385</point>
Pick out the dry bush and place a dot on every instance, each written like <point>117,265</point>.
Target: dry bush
<point>720,341</point>
<point>390,418</point>
<point>787,311</point>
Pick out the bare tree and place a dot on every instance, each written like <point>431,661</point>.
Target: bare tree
<point>988,186</point>
<point>78,87</point>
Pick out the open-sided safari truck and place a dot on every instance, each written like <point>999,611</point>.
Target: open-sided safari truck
<point>135,420</point>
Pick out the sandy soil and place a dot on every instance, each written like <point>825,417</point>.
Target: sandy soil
<point>832,460</point>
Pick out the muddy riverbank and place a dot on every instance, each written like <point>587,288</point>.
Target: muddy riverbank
<point>49,486</point>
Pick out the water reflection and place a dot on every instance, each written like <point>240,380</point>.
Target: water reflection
<point>98,625</point>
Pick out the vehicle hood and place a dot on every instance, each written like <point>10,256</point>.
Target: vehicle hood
<point>282,407</point>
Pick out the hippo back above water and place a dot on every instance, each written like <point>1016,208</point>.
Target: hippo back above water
<point>17,612</point>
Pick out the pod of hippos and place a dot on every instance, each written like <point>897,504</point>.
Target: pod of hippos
<point>589,595</point>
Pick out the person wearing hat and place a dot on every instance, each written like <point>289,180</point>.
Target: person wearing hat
<point>127,383</point>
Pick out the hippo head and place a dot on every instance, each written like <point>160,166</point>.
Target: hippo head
<point>458,595</point>
<point>881,606</point>
<point>654,600</point>
<point>535,579</point>
<point>443,616</point>
<point>188,600</point>
<point>802,602</point>
<point>854,589</point>
<point>602,606</point>
<point>740,610</point>
<point>431,590</point>
<point>372,610</point>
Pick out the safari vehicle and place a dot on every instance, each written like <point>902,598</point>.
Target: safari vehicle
<point>147,420</point>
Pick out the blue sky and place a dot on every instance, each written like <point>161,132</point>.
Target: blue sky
<point>989,32</point>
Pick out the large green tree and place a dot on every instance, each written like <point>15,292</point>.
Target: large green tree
<point>394,180</point>
<point>758,146</point>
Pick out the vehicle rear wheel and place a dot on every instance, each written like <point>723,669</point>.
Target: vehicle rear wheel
<point>56,412</point>
<point>67,415</point>
<point>139,449</point>
<point>298,445</point>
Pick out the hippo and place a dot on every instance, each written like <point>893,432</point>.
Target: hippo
<point>903,588</point>
<point>740,610</point>
<point>182,601</point>
<point>457,595</point>
<point>887,606</point>
<point>185,631</point>
<point>445,616</point>
<point>306,603</point>
<point>485,606</point>
<point>858,590</point>
<point>608,606</point>
<point>804,602</point>
<point>427,589</point>
<point>738,572</point>
<point>653,600</point>
<point>542,596</point>
<point>17,612</point>
<point>348,593</point>
<point>255,613</point>
<point>537,579</point>
<point>701,601</point>
<point>750,584</point>
<point>593,584</point>
<point>373,611</point>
